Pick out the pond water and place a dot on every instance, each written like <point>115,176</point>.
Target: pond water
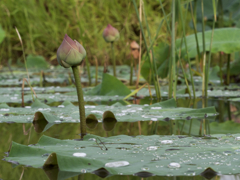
<point>25,134</point>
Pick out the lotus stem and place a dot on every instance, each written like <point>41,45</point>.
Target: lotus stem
<point>209,61</point>
<point>204,53</point>
<point>89,72</point>
<point>96,71</point>
<point>195,32</point>
<point>131,72</point>
<point>80,101</point>
<point>113,59</point>
<point>172,68</point>
<point>220,65</point>
<point>228,69</point>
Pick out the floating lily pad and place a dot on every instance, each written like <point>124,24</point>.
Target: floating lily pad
<point>130,155</point>
<point>37,62</point>
<point>68,113</point>
<point>110,86</point>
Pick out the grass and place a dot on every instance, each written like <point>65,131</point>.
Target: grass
<point>43,25</point>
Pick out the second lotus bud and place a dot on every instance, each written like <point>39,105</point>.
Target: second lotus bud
<point>110,34</point>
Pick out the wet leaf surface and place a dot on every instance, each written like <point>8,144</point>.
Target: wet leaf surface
<point>140,154</point>
<point>68,113</point>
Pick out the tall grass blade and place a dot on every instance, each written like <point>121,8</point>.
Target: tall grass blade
<point>172,69</point>
<point>209,60</point>
<point>145,43</point>
<point>155,75</point>
<point>214,10</point>
<point>140,46</point>
<point>185,43</point>
<point>158,29</point>
<point>204,52</point>
<point>195,33</point>
<point>24,58</point>
<point>170,89</point>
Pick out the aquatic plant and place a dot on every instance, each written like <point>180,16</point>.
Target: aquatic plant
<point>135,56</point>
<point>111,34</point>
<point>71,54</point>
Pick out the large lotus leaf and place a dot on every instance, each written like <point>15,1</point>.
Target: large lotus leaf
<point>68,113</point>
<point>227,6</point>
<point>224,39</point>
<point>2,34</point>
<point>160,155</point>
<point>110,86</point>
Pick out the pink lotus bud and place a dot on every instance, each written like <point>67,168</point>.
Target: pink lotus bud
<point>110,34</point>
<point>70,53</point>
<point>135,49</point>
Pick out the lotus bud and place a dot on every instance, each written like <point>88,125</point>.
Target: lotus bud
<point>70,53</point>
<point>110,34</point>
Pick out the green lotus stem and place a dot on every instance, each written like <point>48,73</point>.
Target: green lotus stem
<point>209,61</point>
<point>195,33</point>
<point>228,69</point>
<point>229,111</point>
<point>172,68</point>
<point>89,73</point>
<point>190,128</point>
<point>80,101</point>
<point>221,13</point>
<point>185,78</point>
<point>208,125</point>
<point>113,59</point>
<point>96,71</point>
<point>131,72</point>
<point>204,52</point>
<point>41,79</point>
<point>220,65</point>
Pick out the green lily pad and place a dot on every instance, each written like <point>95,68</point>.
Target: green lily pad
<point>68,113</point>
<point>159,155</point>
<point>234,99</point>
<point>110,86</point>
<point>37,62</point>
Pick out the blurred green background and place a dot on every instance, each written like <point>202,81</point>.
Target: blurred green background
<point>43,24</point>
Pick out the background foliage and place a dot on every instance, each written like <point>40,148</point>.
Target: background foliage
<point>42,25</point>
